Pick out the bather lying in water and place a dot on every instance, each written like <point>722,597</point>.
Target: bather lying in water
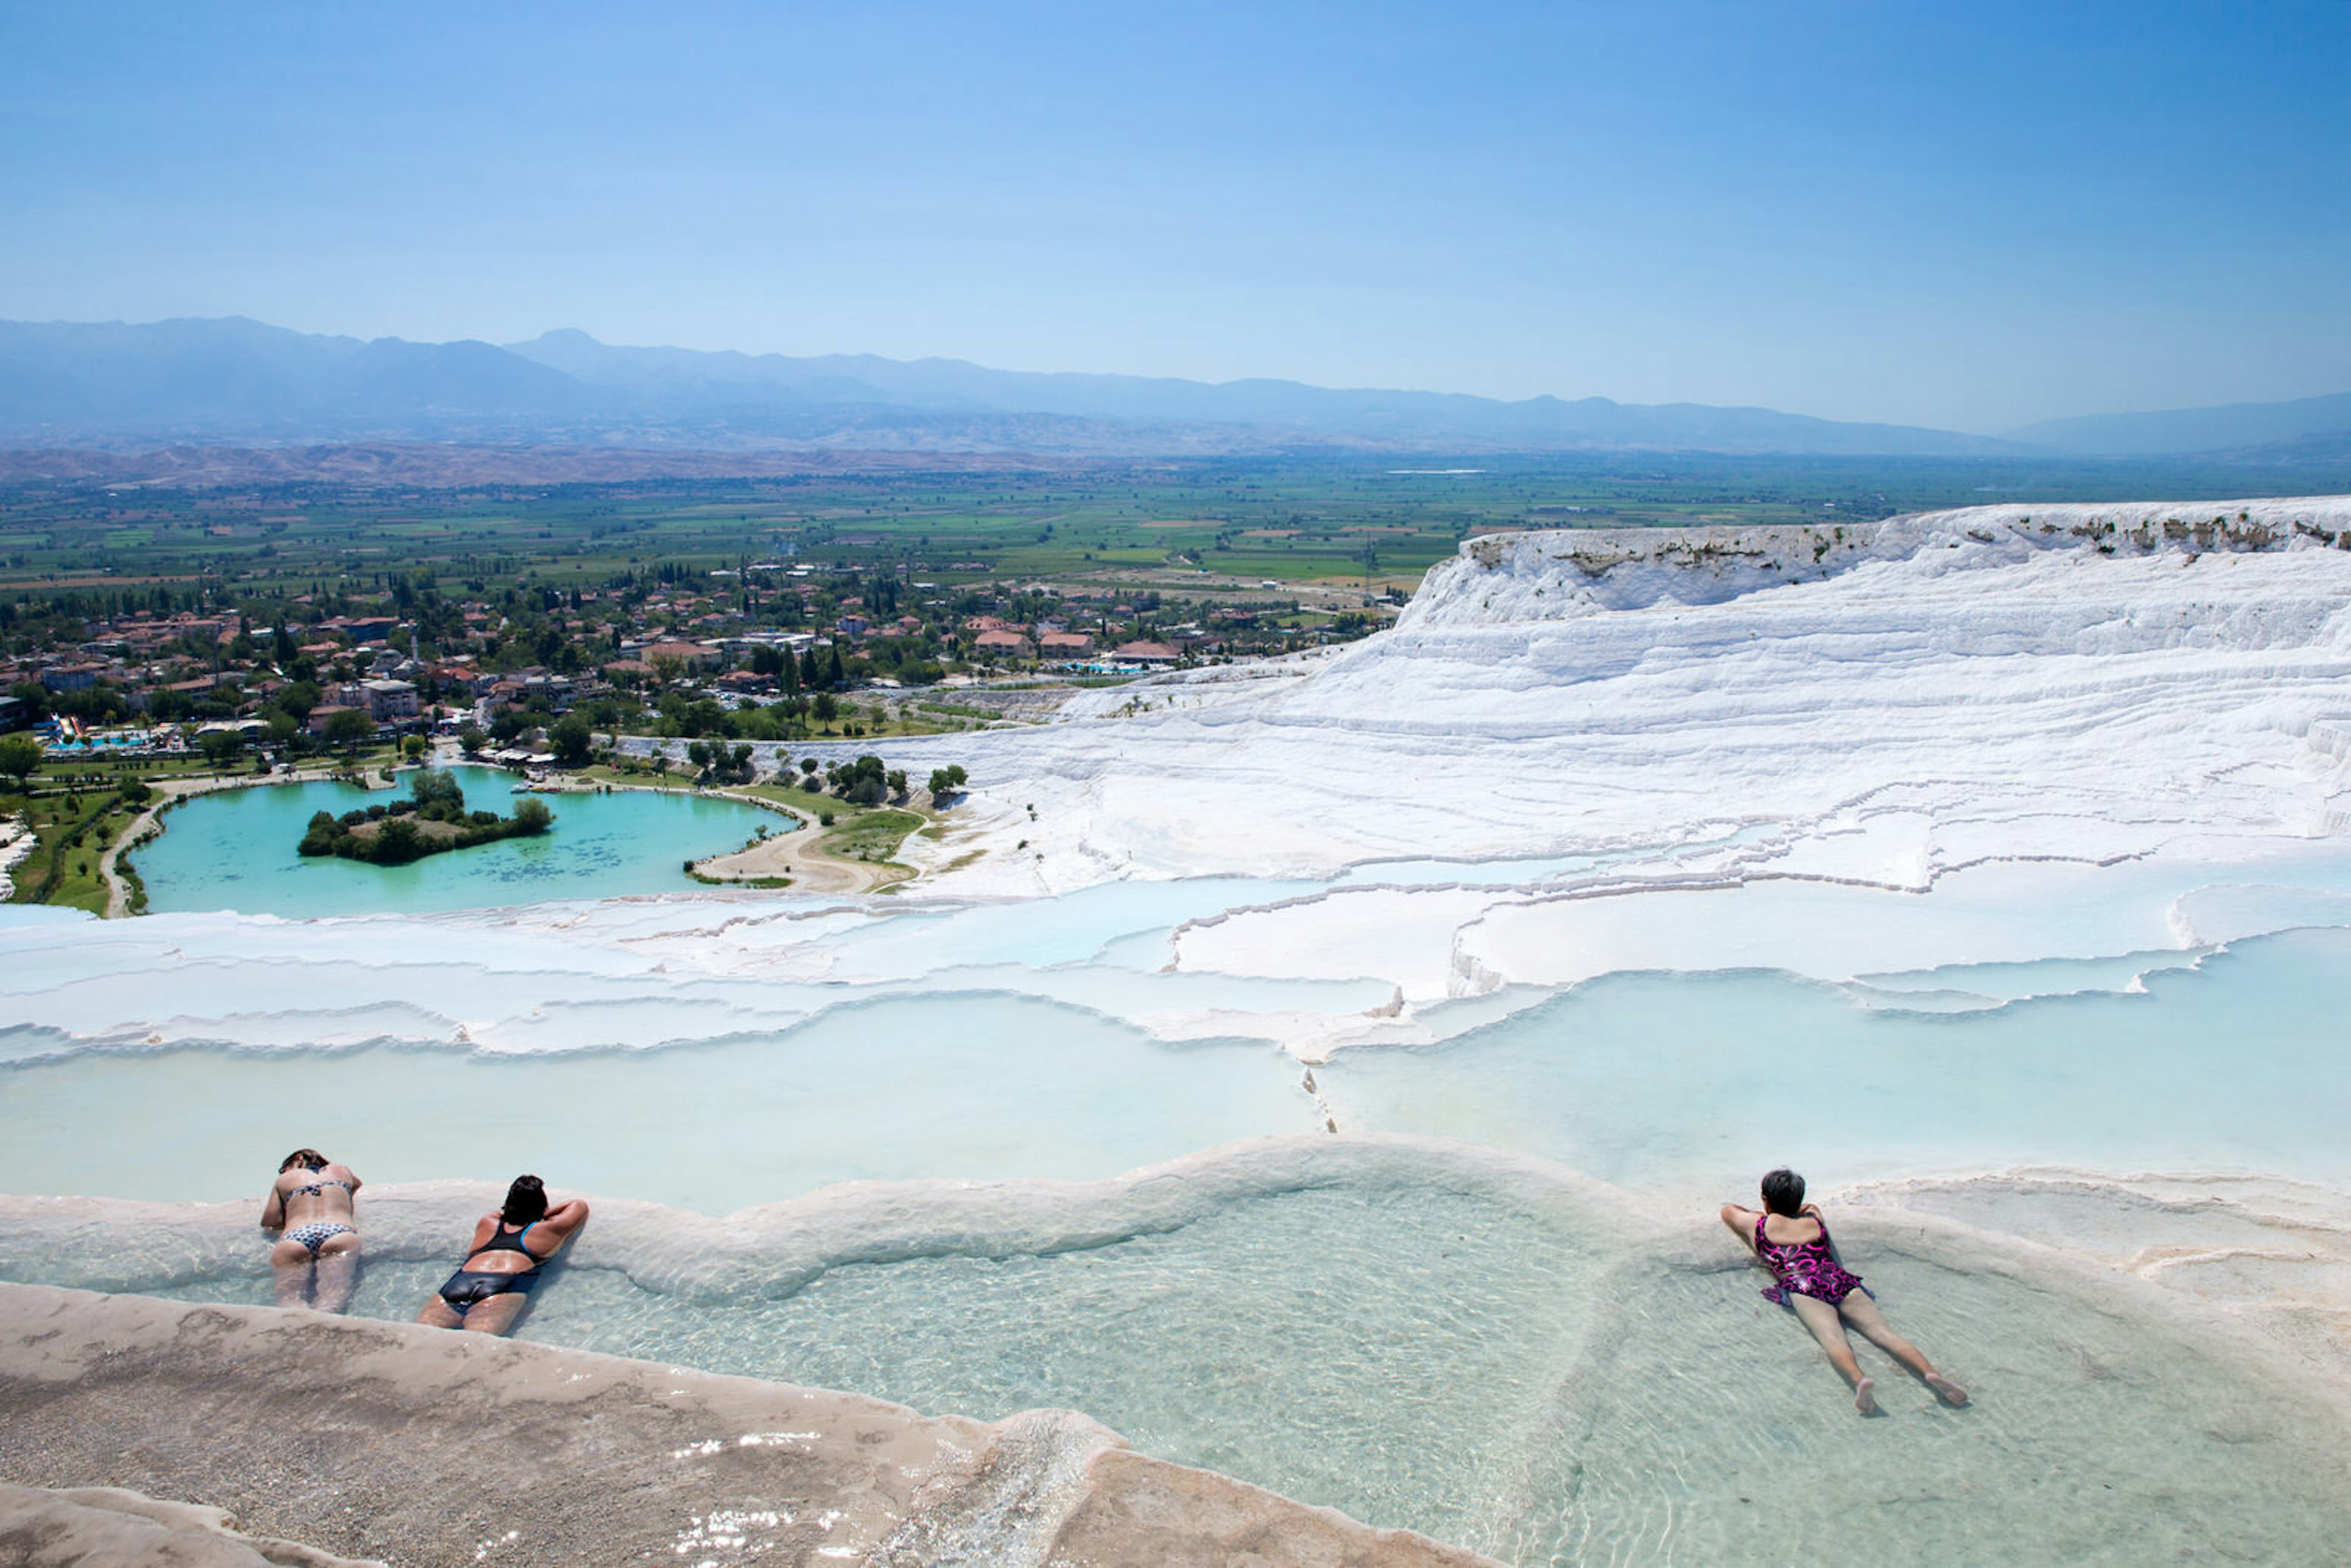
<point>488,1292</point>
<point>1790,1237</point>
<point>317,1259</point>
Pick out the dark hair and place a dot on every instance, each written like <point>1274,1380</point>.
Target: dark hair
<point>526,1201</point>
<point>309,1159</point>
<point>1784,1192</point>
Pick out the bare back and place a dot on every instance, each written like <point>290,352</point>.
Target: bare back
<point>497,1249</point>
<point>300,1196</point>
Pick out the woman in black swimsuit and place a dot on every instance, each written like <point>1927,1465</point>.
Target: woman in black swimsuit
<point>488,1292</point>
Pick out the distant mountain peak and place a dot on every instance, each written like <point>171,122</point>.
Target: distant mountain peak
<point>234,381</point>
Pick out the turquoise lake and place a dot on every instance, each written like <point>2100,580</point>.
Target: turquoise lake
<point>235,850</point>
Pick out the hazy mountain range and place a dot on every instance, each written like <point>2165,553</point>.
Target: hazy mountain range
<point>207,382</point>
<point>2314,426</point>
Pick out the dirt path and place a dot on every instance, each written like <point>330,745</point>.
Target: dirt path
<point>796,855</point>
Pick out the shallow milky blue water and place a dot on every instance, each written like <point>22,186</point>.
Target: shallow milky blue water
<point>1680,1086</point>
<point>1505,1369</point>
<point>1651,1080</point>
<point>954,1086</point>
<point>235,850</point>
<point>1502,1361</point>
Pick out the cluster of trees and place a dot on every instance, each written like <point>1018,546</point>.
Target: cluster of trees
<point>864,782</point>
<point>683,716</point>
<point>101,704</point>
<point>718,764</point>
<point>431,819</point>
<point>20,758</point>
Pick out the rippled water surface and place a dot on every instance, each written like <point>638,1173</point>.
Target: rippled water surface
<point>1508,1359</point>
<point>1524,1377</point>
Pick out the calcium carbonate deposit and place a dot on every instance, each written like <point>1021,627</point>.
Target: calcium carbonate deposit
<point>1324,1072</point>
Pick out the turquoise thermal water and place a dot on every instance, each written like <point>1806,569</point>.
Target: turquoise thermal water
<point>1495,1361</point>
<point>953,1086</point>
<point>1504,1366</point>
<point>1668,1084</point>
<point>1682,1086</point>
<point>235,850</point>
<point>1649,1080</point>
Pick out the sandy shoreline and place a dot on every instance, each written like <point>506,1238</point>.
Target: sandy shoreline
<point>794,854</point>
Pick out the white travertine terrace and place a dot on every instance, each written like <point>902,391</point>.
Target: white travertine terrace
<point>1577,752</point>
<point>2003,681</point>
<point>2109,736</point>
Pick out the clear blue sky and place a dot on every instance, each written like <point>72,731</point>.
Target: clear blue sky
<point>1971,218</point>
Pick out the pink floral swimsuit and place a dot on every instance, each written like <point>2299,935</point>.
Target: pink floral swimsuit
<point>1807,1268</point>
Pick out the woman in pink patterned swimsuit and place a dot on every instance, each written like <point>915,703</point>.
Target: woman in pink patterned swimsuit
<point>1790,1237</point>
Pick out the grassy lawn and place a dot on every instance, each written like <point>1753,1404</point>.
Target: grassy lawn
<point>870,835</point>
<point>70,833</point>
<point>76,811</point>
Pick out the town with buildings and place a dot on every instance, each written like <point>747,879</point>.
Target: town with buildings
<point>765,650</point>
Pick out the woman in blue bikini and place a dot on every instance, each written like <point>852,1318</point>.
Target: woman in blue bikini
<point>1788,1237</point>
<point>317,1257</point>
<point>488,1292</point>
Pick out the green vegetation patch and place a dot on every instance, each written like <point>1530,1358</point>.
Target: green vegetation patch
<point>71,831</point>
<point>433,820</point>
<point>873,835</point>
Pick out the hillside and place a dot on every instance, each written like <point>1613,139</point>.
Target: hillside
<point>2309,428</point>
<point>240,382</point>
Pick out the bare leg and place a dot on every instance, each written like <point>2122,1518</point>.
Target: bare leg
<point>1829,1329</point>
<point>338,1272</point>
<point>290,1262</point>
<point>440,1314</point>
<point>1863,1314</point>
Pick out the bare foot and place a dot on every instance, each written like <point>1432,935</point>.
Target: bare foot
<point>1865,1396</point>
<point>1948,1392</point>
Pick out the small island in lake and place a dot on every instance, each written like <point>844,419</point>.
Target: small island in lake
<point>430,820</point>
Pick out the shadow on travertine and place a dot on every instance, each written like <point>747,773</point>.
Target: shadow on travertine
<point>40,1528</point>
<point>411,1444</point>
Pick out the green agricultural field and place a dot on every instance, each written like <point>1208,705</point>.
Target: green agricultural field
<point>903,579</point>
<point>1191,527</point>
